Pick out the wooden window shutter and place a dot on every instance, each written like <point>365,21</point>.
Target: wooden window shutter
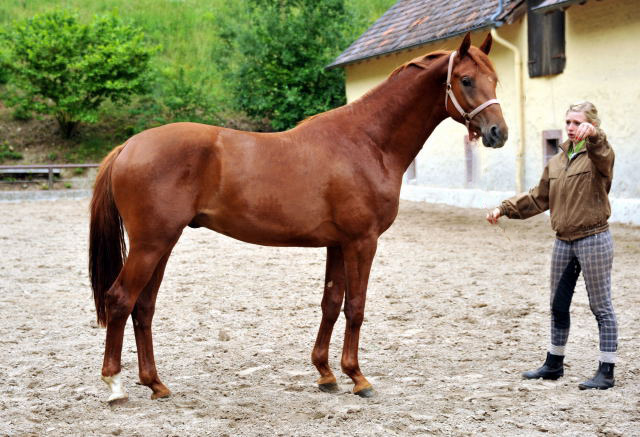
<point>546,39</point>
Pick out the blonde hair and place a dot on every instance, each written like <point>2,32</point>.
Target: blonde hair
<point>588,109</point>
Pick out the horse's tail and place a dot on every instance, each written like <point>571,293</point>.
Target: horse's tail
<point>107,246</point>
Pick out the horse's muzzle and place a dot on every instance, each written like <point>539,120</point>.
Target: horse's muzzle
<point>495,136</point>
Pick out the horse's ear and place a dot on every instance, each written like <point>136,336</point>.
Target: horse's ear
<point>486,44</point>
<point>464,47</point>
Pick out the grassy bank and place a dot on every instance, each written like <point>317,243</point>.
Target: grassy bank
<point>186,68</point>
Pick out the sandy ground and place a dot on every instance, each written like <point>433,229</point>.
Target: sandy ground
<point>456,310</point>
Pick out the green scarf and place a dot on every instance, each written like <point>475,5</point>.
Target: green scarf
<point>575,149</point>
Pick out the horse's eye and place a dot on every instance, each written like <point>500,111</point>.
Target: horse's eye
<point>466,81</point>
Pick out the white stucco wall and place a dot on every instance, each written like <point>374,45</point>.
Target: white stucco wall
<point>602,67</point>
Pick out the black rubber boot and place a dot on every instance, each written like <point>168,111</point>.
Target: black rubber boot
<point>602,380</point>
<point>551,369</point>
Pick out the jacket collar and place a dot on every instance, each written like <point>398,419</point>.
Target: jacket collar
<point>567,144</point>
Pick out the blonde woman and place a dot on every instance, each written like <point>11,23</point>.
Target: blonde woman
<point>574,186</point>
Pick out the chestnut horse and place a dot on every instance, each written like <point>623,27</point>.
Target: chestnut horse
<point>333,181</point>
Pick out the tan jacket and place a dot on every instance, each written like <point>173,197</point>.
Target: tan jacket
<point>576,191</point>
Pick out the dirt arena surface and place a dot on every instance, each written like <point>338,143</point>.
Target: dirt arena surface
<point>456,310</point>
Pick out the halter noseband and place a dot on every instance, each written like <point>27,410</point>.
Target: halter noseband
<point>449,95</point>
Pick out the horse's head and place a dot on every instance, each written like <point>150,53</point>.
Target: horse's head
<point>471,93</point>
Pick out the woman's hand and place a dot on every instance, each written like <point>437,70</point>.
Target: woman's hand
<point>585,130</point>
<point>493,216</point>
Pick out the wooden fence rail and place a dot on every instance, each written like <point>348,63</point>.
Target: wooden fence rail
<point>49,169</point>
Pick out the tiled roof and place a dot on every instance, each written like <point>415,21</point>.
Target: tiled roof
<point>548,5</point>
<point>410,23</point>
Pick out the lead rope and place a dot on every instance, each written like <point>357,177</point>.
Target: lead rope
<point>504,228</point>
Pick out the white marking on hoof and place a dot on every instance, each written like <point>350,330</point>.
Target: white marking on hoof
<point>115,384</point>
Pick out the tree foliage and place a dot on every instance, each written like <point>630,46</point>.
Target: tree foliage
<point>59,66</point>
<point>276,62</point>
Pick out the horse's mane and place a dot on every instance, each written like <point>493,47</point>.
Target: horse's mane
<point>311,117</point>
<point>420,61</point>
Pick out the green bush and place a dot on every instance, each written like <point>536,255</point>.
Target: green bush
<point>4,66</point>
<point>276,63</point>
<point>7,152</point>
<point>180,96</point>
<point>62,67</point>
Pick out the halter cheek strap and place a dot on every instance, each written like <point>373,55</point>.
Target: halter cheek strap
<point>449,95</point>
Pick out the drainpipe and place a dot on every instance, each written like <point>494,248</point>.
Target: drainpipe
<point>497,14</point>
<point>519,82</point>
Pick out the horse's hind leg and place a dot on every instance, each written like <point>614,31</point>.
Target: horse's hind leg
<point>331,302</point>
<point>142,316</point>
<point>121,298</point>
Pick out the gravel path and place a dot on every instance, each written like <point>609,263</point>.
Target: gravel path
<point>456,310</point>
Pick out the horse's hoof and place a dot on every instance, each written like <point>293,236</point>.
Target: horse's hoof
<point>118,395</point>
<point>330,387</point>
<point>118,398</point>
<point>368,392</point>
<point>160,394</point>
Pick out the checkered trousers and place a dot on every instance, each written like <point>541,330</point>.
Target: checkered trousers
<point>593,256</point>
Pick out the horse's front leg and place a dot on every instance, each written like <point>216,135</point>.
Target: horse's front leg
<point>358,257</point>
<point>334,287</point>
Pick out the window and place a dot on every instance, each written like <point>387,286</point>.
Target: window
<point>546,41</point>
<point>551,140</point>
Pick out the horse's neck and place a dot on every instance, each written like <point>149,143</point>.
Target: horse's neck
<point>401,113</point>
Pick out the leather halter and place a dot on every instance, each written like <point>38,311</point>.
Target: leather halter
<point>449,95</point>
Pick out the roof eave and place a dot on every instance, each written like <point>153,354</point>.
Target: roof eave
<point>450,35</point>
<point>561,5</point>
